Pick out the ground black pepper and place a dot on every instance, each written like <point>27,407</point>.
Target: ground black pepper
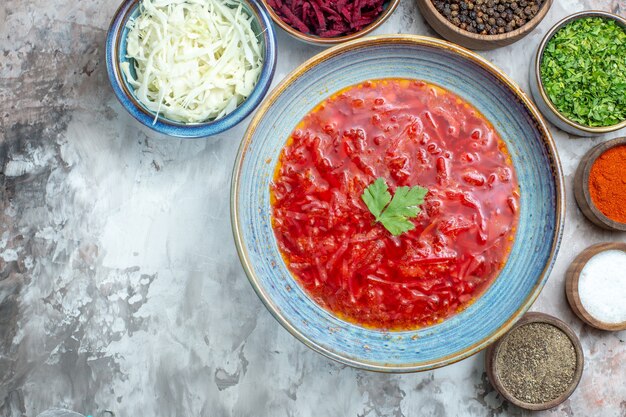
<point>488,17</point>
<point>536,362</point>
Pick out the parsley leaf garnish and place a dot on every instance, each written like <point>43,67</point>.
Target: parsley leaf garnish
<point>376,197</point>
<point>394,213</point>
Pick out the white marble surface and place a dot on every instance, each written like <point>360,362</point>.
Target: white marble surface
<point>120,288</point>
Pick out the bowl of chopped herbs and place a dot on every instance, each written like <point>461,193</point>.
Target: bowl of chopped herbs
<point>578,77</point>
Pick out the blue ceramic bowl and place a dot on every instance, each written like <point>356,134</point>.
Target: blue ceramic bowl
<point>541,204</point>
<point>116,54</point>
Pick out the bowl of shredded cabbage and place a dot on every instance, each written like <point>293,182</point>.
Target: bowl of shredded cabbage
<point>190,68</point>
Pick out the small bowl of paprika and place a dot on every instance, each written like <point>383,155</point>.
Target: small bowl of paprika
<point>600,185</point>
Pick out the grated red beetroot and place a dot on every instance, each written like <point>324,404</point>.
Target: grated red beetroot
<point>326,18</point>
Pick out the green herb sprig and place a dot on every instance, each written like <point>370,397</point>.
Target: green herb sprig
<point>394,213</point>
<point>583,71</point>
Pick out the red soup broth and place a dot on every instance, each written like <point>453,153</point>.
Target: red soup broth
<point>410,133</point>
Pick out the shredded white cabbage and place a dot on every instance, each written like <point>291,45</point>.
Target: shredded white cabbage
<point>195,60</point>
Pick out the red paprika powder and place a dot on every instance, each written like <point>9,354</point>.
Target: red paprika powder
<point>607,183</point>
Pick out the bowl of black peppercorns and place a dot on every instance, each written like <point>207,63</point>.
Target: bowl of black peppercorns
<point>483,24</point>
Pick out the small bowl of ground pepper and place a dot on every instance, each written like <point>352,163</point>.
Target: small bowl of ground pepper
<point>578,75</point>
<point>600,185</point>
<point>483,24</point>
<point>536,365</point>
<point>329,22</point>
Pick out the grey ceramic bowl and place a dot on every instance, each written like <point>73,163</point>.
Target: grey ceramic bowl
<point>541,98</point>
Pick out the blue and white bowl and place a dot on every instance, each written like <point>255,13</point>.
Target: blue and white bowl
<point>116,54</point>
<point>541,204</point>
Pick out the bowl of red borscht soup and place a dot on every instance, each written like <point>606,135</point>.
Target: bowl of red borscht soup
<point>397,203</point>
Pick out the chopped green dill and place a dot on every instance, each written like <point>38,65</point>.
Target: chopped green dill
<point>583,71</point>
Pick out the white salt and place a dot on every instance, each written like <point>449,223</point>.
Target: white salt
<point>602,286</point>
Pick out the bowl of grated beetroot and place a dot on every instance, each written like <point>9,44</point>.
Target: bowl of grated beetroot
<point>329,22</point>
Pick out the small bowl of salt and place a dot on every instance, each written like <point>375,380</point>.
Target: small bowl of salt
<point>596,286</point>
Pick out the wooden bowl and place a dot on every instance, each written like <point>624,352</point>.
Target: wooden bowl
<point>548,109</point>
<point>581,186</point>
<point>571,285</point>
<point>494,378</point>
<point>391,5</point>
<point>474,40</point>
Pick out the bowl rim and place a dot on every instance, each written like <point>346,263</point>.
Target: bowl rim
<point>581,186</point>
<point>522,30</point>
<point>179,129</point>
<point>537,69</point>
<point>395,40</point>
<point>572,278</point>
<point>317,40</point>
<point>494,349</point>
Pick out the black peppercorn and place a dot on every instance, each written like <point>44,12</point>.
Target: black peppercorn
<point>488,17</point>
